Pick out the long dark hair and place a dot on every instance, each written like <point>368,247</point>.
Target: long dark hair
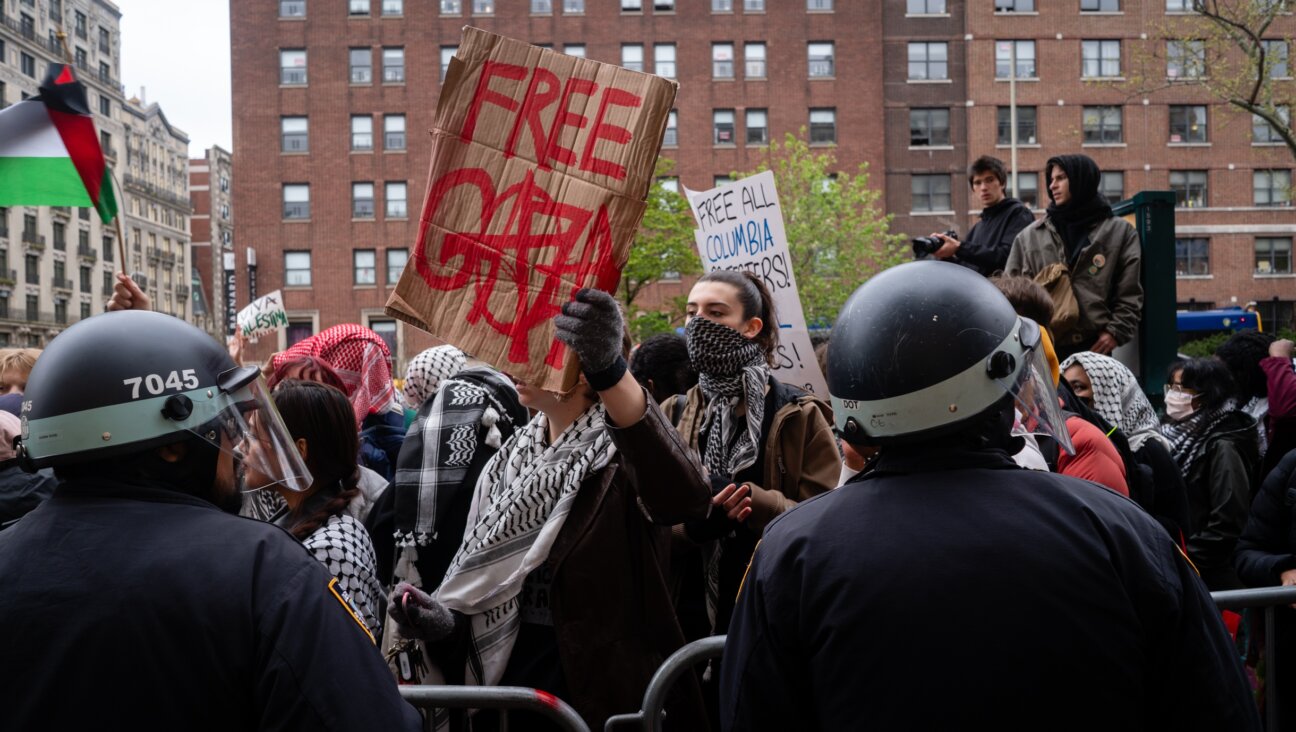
<point>757,302</point>
<point>322,415</point>
<point>1210,378</point>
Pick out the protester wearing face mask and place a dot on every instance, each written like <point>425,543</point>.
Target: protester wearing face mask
<point>1214,443</point>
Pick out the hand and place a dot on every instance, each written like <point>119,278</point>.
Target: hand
<point>1288,578</point>
<point>1104,345</point>
<point>592,326</point>
<point>735,500</point>
<point>948,249</point>
<point>236,344</point>
<point>127,295</point>
<point>1281,348</point>
<point>417,615</point>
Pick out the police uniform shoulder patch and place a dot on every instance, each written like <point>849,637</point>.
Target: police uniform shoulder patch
<point>350,607</point>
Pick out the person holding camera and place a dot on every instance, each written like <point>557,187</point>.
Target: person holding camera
<point>1002,218</point>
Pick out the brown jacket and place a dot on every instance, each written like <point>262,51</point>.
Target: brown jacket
<point>801,456</point>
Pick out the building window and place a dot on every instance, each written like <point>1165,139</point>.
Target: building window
<point>1102,125</point>
<point>55,9</point>
<point>1271,187</point>
<point>105,104</point>
<point>31,269</point>
<point>1263,133</point>
<point>85,310</point>
<point>394,195</point>
<point>1189,187</point>
<point>447,53</point>
<point>60,237</point>
<point>108,247</point>
<point>664,59</point>
<point>929,127</point>
<point>671,139</point>
<point>294,134</point>
<point>361,132</point>
<point>542,7</point>
<point>1180,6</point>
<point>719,180</point>
<point>364,266</point>
<point>819,5</point>
<point>1192,257</point>
<point>105,73</point>
<point>483,7</point>
<point>1100,6</point>
<point>105,142</point>
<point>1273,255</point>
<point>105,41</point>
<point>386,330</point>
<point>362,200</point>
<point>575,49</point>
<point>297,269</point>
<point>1185,59</point>
<point>754,58</point>
<point>823,126</point>
<point>1029,185</point>
<point>723,126</point>
<point>722,58</point>
<point>632,56</point>
<point>81,60</point>
<point>631,6</point>
<point>930,193</point>
<point>1111,185</point>
<point>928,61</point>
<point>1275,59</point>
<point>925,7</point>
<point>754,6</point>
<point>84,280</point>
<point>393,132</point>
<point>393,60</point>
<point>292,67</point>
<point>60,310</point>
<point>33,308</point>
<point>28,65</point>
<point>722,6</point>
<point>757,123</point>
<point>82,28</point>
<point>393,7</point>
<point>1188,123</point>
<point>1025,59</point>
<point>1027,127</point>
<point>296,201</point>
<point>821,60</point>
<point>358,7</point>
<point>574,7</point>
<point>451,7</point>
<point>396,259</point>
<point>292,8</point>
<point>664,6</point>
<point>1100,59</point>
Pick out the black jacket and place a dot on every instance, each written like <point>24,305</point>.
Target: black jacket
<point>1267,547</point>
<point>956,591</point>
<point>20,491</point>
<point>129,606</point>
<point>987,244</point>
<point>1220,487</point>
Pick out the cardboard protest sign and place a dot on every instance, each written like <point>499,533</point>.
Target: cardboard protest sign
<point>741,227</point>
<point>264,315</point>
<point>540,171</point>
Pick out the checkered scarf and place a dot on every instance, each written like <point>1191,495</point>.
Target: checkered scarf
<point>361,359</point>
<point>732,370</point>
<point>1118,398</point>
<point>427,370</point>
<point>1188,438</point>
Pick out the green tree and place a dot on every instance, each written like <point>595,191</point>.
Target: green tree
<point>837,234</point>
<point>663,245</point>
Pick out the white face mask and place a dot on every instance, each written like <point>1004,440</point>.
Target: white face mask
<point>1179,405</point>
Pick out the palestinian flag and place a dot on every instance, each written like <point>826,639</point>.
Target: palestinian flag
<point>49,150</point>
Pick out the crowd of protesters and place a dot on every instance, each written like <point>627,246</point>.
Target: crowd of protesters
<point>481,530</point>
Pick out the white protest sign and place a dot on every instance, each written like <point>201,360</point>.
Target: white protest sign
<point>741,228</point>
<point>265,315</point>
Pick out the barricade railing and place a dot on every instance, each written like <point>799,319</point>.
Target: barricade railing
<point>502,698</point>
<point>1267,598</point>
<point>649,716</point>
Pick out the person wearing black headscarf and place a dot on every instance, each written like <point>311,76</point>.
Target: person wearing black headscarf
<point>1100,251</point>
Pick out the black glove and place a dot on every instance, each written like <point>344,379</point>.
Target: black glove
<point>717,524</point>
<point>417,615</point>
<point>592,326</point>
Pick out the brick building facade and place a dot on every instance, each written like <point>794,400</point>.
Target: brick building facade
<point>212,195</point>
<point>333,101</point>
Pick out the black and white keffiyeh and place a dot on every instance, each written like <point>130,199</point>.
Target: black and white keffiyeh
<point>732,370</point>
<point>428,370</point>
<point>1118,397</point>
<point>521,502</point>
<point>343,546</point>
<point>1188,438</point>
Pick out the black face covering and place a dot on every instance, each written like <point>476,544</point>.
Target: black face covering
<point>1084,209</point>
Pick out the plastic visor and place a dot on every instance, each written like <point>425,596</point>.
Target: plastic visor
<point>1032,390</point>
<point>252,432</point>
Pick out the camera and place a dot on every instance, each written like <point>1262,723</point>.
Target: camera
<point>925,246</point>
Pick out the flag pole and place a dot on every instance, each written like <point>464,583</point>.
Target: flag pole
<point>121,236</point>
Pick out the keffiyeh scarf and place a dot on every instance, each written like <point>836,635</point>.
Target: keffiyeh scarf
<point>428,370</point>
<point>732,370</point>
<point>520,504</point>
<point>1118,398</point>
<point>1188,438</point>
<point>360,358</point>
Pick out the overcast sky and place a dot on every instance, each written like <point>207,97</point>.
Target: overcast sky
<point>179,51</point>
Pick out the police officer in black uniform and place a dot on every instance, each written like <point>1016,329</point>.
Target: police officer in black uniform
<point>130,599</point>
<point>950,589</point>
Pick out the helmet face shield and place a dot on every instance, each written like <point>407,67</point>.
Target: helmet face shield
<point>251,431</point>
<point>1033,393</point>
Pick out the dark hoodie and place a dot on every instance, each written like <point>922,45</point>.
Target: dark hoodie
<point>990,239</point>
<point>1085,208</point>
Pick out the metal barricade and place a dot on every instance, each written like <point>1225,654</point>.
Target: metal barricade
<point>1267,598</point>
<point>649,716</point>
<point>502,698</point>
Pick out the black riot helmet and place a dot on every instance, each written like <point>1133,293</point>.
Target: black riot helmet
<point>125,382</point>
<point>922,349</point>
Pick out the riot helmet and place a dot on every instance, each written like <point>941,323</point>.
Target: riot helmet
<point>125,382</point>
<point>925,348</point>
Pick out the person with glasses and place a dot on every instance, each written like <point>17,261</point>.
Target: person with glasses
<point>1214,443</point>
